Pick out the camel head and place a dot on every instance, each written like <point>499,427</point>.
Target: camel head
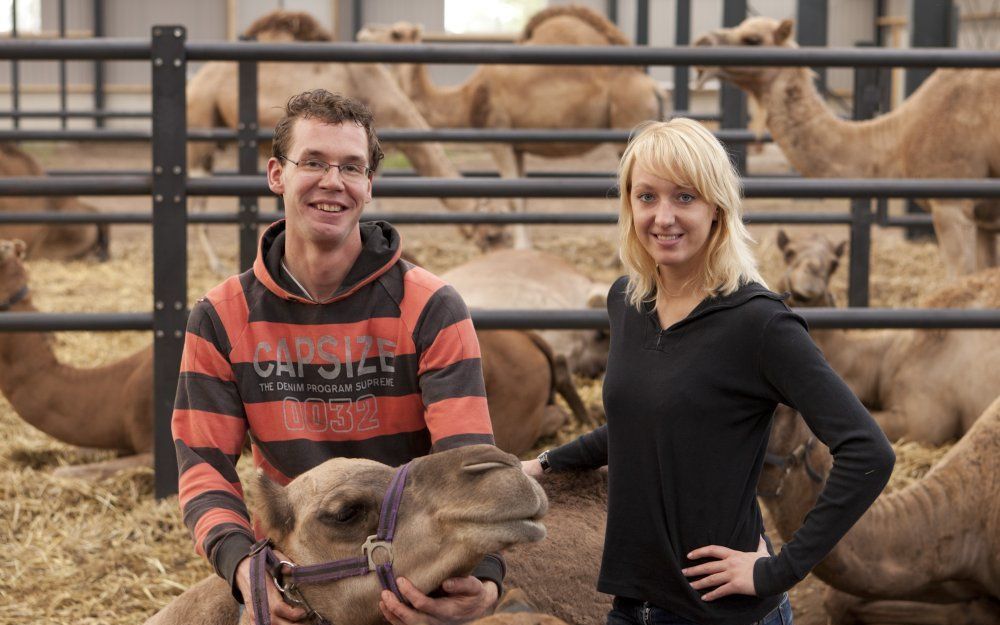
<point>457,506</point>
<point>489,237</point>
<point>13,273</point>
<point>754,31</point>
<point>790,448</point>
<point>810,261</point>
<point>399,32</point>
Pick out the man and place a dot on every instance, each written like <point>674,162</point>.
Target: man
<point>330,346</point>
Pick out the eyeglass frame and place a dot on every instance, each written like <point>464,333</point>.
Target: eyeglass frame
<point>366,171</point>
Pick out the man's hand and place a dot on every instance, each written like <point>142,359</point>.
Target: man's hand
<point>731,573</point>
<point>467,599</point>
<point>532,468</point>
<point>281,612</point>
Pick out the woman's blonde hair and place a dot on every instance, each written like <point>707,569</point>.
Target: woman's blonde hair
<point>685,153</point>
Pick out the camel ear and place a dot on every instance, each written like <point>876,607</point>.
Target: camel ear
<point>782,239</point>
<point>273,508</point>
<point>784,31</point>
<point>20,249</point>
<point>515,600</point>
<point>840,248</point>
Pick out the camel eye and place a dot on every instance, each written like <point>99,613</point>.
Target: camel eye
<point>344,514</point>
<point>397,36</point>
<point>789,256</point>
<point>752,40</point>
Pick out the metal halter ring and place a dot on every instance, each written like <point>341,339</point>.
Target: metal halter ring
<point>371,545</point>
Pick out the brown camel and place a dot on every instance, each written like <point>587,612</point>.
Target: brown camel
<point>110,407</point>
<point>534,279</point>
<point>67,242</point>
<point>948,128</point>
<point>934,541</point>
<point>922,385</point>
<point>212,101</point>
<point>534,96</point>
<point>457,506</point>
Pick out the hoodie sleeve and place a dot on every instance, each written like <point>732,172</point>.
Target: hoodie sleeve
<point>794,368</point>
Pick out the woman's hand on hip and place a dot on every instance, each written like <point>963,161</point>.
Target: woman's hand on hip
<point>731,573</point>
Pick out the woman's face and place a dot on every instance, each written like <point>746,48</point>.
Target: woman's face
<point>672,222</point>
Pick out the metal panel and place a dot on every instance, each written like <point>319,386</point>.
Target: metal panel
<point>169,241</point>
<point>247,130</point>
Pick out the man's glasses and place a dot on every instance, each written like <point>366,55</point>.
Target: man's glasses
<point>352,172</point>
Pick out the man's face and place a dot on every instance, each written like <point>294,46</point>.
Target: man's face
<point>322,208</point>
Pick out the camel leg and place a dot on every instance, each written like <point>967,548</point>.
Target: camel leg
<point>199,204</point>
<point>956,234</point>
<point>97,471</point>
<point>986,215</point>
<point>510,163</point>
<point>895,423</point>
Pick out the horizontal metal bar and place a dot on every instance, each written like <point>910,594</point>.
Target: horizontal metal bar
<point>61,322</point>
<point>76,134</point>
<point>591,55</point>
<point>783,187</point>
<point>818,318</point>
<point>104,48</point>
<point>77,114</point>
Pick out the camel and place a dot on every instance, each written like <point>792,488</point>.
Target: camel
<point>534,96</point>
<point>935,541</point>
<point>457,506</point>
<point>65,242</point>
<point>212,101</point>
<point>533,279</point>
<point>109,407</point>
<point>922,385</point>
<point>948,128</point>
<point>522,376</point>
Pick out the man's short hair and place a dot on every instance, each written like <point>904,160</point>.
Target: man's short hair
<point>329,108</point>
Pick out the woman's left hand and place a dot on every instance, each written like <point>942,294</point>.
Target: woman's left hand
<point>730,574</point>
<point>467,599</point>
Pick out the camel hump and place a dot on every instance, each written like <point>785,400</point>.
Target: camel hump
<point>594,19</point>
<point>277,25</point>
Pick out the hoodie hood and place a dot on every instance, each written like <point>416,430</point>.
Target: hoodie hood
<point>715,303</point>
<point>381,247</point>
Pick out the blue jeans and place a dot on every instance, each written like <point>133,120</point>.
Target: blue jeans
<point>632,612</point>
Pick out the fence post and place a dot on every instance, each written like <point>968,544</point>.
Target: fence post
<point>247,131</point>
<point>169,240</point>
<point>811,18</point>
<point>866,100</point>
<point>731,99</point>
<point>98,28</point>
<point>682,37</point>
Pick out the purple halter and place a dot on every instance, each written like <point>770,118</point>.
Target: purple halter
<point>288,577</point>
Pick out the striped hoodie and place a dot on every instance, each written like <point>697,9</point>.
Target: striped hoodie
<point>388,369</point>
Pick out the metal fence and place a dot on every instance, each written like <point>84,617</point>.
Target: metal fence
<point>169,186</point>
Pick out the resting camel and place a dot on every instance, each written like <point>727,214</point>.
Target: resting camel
<point>109,407</point>
<point>934,541</point>
<point>922,385</point>
<point>534,279</point>
<point>67,242</point>
<point>534,96</point>
<point>948,128</point>
<point>521,373</point>
<point>212,101</point>
<point>456,506</point>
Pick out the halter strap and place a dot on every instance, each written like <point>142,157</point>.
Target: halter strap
<point>19,295</point>
<point>800,455</point>
<point>288,577</point>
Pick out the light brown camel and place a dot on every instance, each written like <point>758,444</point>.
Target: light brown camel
<point>533,279</point>
<point>948,128</point>
<point>934,541</point>
<point>921,385</point>
<point>457,506</point>
<point>67,242</point>
<point>212,101</point>
<point>534,96</point>
<point>110,407</point>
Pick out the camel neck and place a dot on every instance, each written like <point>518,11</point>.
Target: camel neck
<point>444,107</point>
<point>858,357</point>
<point>817,142</point>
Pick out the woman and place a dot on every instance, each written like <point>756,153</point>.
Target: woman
<point>701,354</point>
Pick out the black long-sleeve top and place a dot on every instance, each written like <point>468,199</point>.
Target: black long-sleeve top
<point>689,413</point>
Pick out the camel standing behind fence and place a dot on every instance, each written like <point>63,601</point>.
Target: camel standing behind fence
<point>534,96</point>
<point>948,128</point>
<point>212,101</point>
<point>65,242</point>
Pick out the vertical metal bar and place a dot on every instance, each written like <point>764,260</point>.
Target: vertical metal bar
<point>247,137</point>
<point>169,240</point>
<point>357,16</point>
<point>879,30</point>
<point>642,22</point>
<point>865,104</point>
<point>812,31</point>
<point>682,37</point>
<point>98,29</point>
<point>62,67</point>
<point>732,103</point>
<point>930,26</point>
<point>15,76</point>
<point>612,10</point>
